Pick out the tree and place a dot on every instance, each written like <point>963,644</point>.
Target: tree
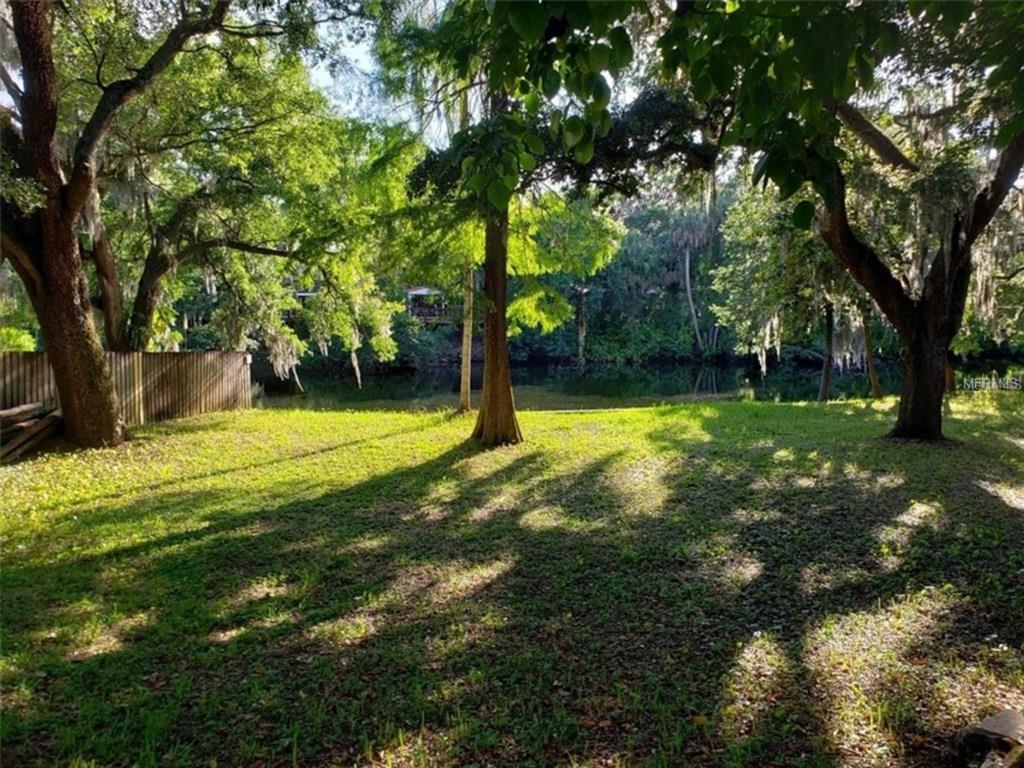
<point>412,68</point>
<point>793,70</point>
<point>525,49</point>
<point>41,240</point>
<point>788,72</point>
<point>778,282</point>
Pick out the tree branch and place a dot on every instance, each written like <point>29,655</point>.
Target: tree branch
<point>120,92</point>
<point>1011,274</point>
<point>19,258</point>
<point>1008,167</point>
<point>39,98</point>
<point>879,143</point>
<point>235,245</point>
<point>12,87</point>
<point>862,262</point>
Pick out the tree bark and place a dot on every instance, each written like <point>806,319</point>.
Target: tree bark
<point>689,300</point>
<point>466,361</point>
<point>825,388</point>
<point>496,421</point>
<point>102,256</point>
<point>869,357</point>
<point>923,367</point>
<point>84,385</point>
<point>139,329</point>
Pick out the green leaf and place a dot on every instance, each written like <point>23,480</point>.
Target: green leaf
<point>532,102</point>
<point>572,131</point>
<point>584,152</point>
<point>556,121</point>
<point>534,143</point>
<point>702,88</point>
<point>527,161</point>
<point>498,194</point>
<point>622,48</point>
<point>598,57</point>
<point>551,81</point>
<point>477,182</point>
<point>1007,131</point>
<point>721,72</point>
<point>528,19</point>
<point>602,93</point>
<point>803,214</point>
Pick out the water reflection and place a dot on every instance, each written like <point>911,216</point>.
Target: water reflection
<point>551,387</point>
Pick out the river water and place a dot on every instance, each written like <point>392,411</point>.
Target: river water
<point>550,387</point>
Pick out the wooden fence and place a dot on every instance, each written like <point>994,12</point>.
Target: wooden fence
<point>150,386</point>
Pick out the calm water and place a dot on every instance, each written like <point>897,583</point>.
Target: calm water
<point>555,387</point>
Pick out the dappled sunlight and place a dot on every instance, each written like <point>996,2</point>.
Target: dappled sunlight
<point>101,637</point>
<point>817,578</point>
<point>640,485</point>
<point>411,748</point>
<point>754,688</point>
<point>366,544</point>
<point>784,454</point>
<point>588,596</point>
<point>264,588</point>
<point>1010,495</point>
<point>872,481</point>
<point>906,675</point>
<point>1017,441</point>
<point>462,581</point>
<point>722,560</point>
<point>552,516</point>
<point>894,538</point>
<point>867,667</point>
<point>750,516</point>
<point>787,476</point>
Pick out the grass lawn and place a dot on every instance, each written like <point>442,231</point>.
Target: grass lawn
<point>710,584</point>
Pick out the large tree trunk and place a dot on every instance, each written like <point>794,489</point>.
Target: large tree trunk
<point>84,385</point>
<point>53,273</point>
<point>923,366</point>
<point>466,361</point>
<point>496,422</point>
<point>869,356</point>
<point>825,388</point>
<point>689,300</point>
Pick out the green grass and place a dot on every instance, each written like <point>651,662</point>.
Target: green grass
<point>719,584</point>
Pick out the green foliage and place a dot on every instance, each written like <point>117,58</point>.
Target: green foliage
<point>23,192</point>
<point>775,275</point>
<point>18,326</point>
<point>16,340</point>
<point>550,235</point>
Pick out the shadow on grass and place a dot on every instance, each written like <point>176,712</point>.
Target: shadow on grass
<point>723,602</point>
